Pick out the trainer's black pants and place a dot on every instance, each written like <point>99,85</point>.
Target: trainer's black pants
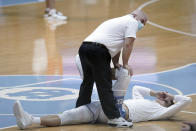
<point>95,60</point>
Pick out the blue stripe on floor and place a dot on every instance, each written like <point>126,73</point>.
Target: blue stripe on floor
<point>17,2</point>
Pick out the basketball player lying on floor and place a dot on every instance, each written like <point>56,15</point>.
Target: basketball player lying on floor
<point>136,109</point>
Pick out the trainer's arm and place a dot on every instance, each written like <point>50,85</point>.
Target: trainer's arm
<point>127,49</point>
<point>115,60</point>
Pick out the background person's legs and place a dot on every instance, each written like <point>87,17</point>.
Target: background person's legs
<point>51,13</point>
<point>50,4</point>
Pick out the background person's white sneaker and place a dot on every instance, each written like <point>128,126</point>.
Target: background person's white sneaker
<point>23,118</point>
<point>119,122</point>
<point>53,14</point>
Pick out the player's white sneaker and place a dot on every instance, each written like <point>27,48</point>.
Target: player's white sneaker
<point>23,119</point>
<point>120,122</point>
<point>53,14</point>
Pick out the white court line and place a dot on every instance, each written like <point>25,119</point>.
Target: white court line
<point>31,114</point>
<point>191,94</point>
<point>194,113</point>
<point>147,3</point>
<point>45,82</point>
<point>167,70</point>
<point>189,112</point>
<point>18,4</point>
<point>170,29</point>
<point>160,26</point>
<point>40,75</point>
<point>8,127</point>
<point>178,68</point>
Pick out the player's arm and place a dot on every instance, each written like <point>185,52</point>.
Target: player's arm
<point>138,92</point>
<point>157,94</point>
<point>180,102</point>
<point>127,49</point>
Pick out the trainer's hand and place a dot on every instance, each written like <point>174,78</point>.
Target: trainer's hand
<point>117,66</point>
<point>129,69</point>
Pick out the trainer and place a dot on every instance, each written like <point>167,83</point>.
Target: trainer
<point>95,54</point>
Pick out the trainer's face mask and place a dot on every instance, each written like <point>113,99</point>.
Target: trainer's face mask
<point>140,25</point>
<point>139,19</point>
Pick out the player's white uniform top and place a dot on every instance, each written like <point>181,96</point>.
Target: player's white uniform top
<point>113,32</point>
<point>144,110</point>
<point>141,109</point>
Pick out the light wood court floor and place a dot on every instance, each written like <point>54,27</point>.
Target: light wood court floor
<point>31,46</point>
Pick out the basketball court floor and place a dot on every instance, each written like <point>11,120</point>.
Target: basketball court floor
<point>37,57</point>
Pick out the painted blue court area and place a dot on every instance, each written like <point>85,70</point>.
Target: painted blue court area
<point>17,2</point>
<point>41,95</point>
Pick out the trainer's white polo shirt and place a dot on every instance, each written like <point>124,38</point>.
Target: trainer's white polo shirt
<point>112,33</point>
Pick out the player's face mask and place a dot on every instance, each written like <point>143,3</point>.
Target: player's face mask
<point>140,25</point>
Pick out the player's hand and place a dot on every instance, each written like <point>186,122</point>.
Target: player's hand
<point>160,95</point>
<point>168,97</point>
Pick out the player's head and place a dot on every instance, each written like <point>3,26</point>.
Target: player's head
<point>141,17</point>
<point>166,102</point>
